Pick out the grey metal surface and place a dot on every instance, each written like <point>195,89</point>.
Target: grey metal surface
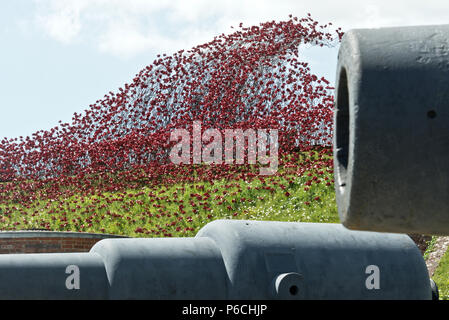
<point>391,138</point>
<point>228,259</point>
<point>43,276</point>
<point>166,268</point>
<point>331,259</point>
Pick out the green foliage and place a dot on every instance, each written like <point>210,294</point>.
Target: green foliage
<point>441,277</point>
<point>181,209</point>
<point>430,247</point>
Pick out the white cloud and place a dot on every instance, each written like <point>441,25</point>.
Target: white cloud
<point>61,19</point>
<point>128,27</point>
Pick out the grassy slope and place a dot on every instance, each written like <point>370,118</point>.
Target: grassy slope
<point>441,274</point>
<point>441,277</point>
<point>182,209</point>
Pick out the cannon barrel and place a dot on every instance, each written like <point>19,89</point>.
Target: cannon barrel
<point>391,130</point>
<point>228,260</point>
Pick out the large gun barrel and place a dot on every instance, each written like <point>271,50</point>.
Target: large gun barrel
<point>228,260</point>
<point>391,130</point>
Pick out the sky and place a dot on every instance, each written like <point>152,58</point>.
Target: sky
<point>59,56</point>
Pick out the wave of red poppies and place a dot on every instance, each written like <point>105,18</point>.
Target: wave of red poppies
<point>252,78</point>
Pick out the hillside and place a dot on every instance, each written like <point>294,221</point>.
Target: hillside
<point>301,193</point>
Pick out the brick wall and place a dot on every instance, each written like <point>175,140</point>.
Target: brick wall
<point>48,242</point>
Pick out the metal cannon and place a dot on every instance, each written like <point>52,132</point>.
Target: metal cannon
<point>228,260</point>
<point>391,130</point>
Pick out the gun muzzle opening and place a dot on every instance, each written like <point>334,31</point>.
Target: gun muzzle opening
<point>342,129</point>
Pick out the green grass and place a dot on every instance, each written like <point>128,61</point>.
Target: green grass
<point>430,247</point>
<point>441,274</point>
<point>182,209</point>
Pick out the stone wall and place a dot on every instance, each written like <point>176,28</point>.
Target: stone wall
<point>48,241</point>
